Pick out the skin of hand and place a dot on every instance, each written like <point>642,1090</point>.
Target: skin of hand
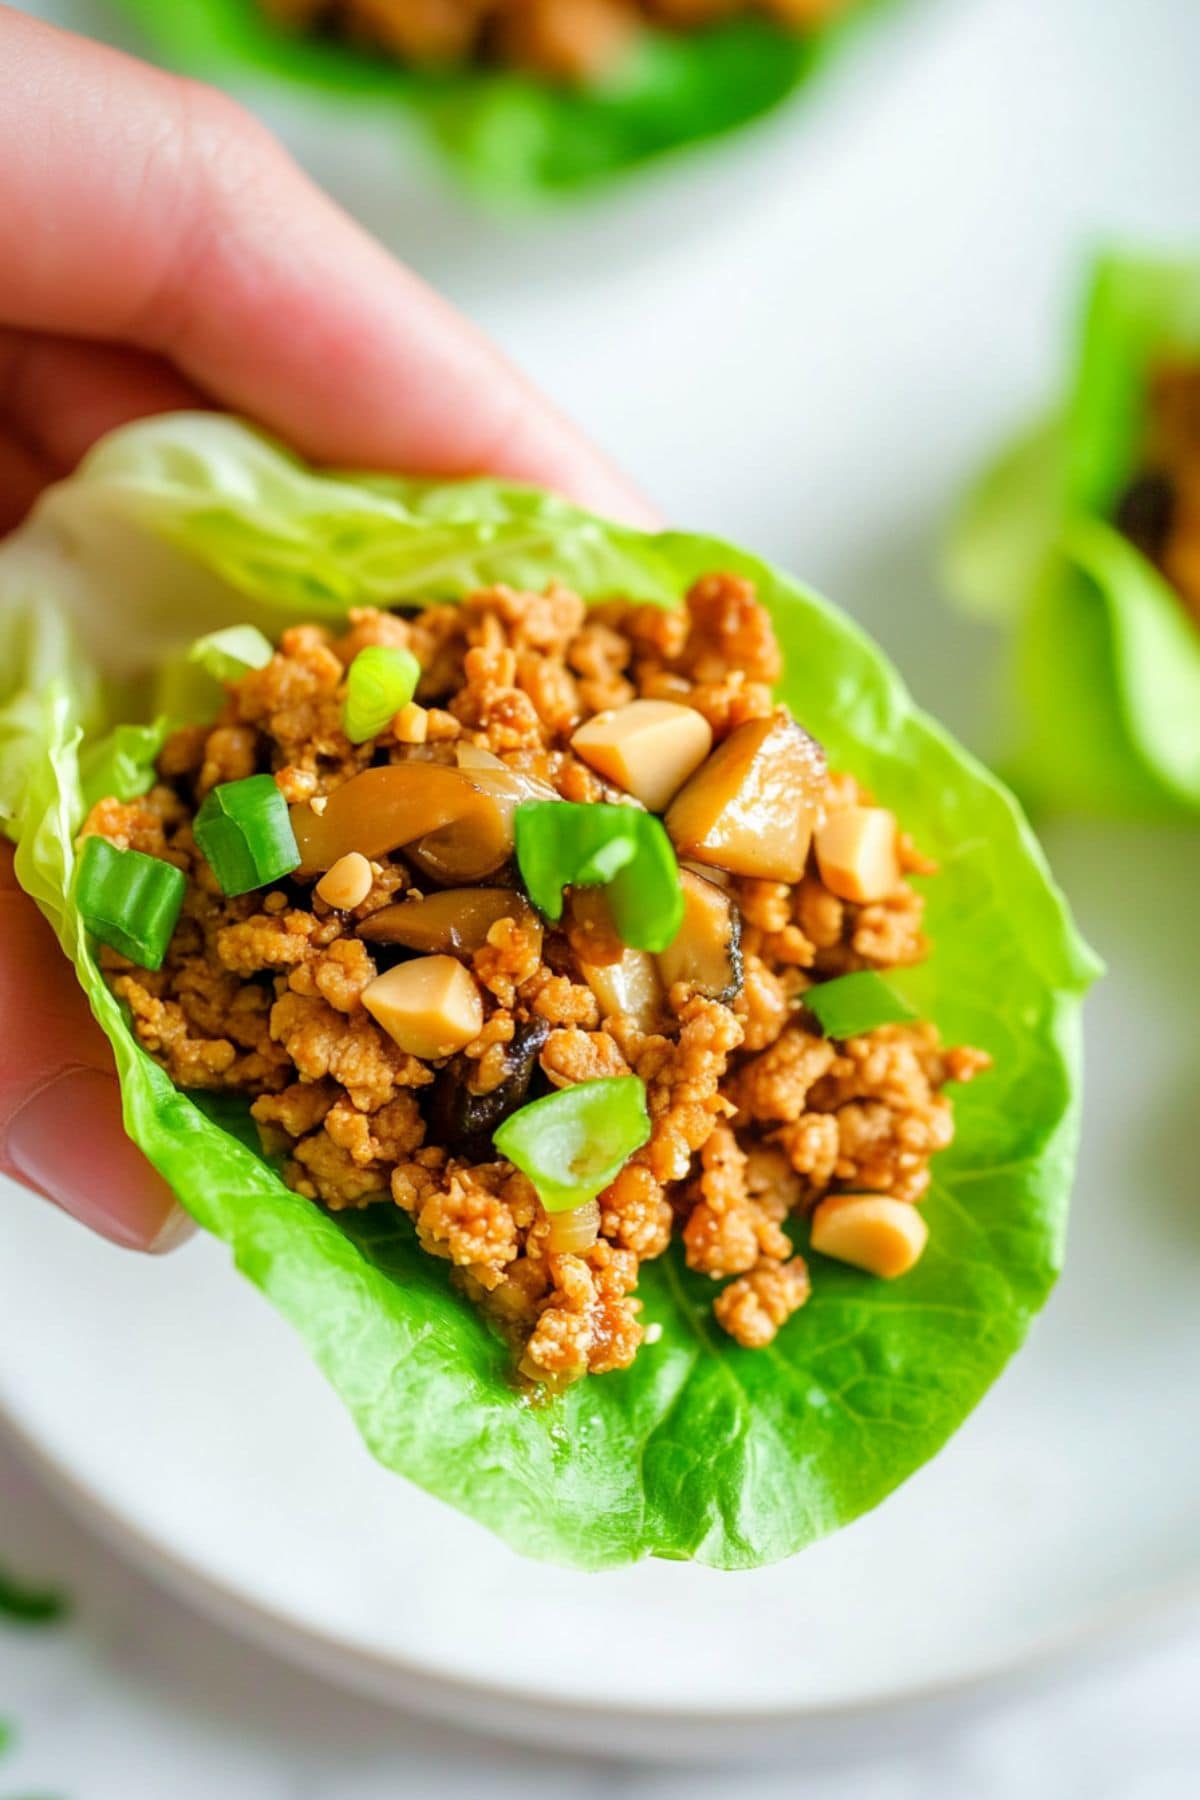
<point>159,249</point>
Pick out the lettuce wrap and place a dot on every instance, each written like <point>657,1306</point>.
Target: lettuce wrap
<point>701,1450</point>
<point>1106,661</point>
<point>511,137</point>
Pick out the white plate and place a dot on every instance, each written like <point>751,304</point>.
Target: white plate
<point>174,1400</point>
<point>881,295</point>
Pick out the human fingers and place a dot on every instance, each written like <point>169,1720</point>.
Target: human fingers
<point>58,395</point>
<point>167,218</point>
<point>60,1103</point>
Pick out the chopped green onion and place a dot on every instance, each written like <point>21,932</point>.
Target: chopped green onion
<point>129,901</point>
<point>379,681</point>
<point>228,655</point>
<point>853,1004</point>
<point>626,851</point>
<point>245,832</point>
<point>121,765</point>
<point>30,1606</point>
<point>573,1143</point>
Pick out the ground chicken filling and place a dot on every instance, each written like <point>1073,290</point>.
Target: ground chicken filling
<point>563,40</point>
<point>1160,509</point>
<point>756,1119</point>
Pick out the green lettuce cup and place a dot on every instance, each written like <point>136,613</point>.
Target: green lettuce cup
<point>1105,676</point>
<point>193,523</point>
<point>510,137</point>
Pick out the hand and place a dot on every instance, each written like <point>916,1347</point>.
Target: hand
<point>158,249</point>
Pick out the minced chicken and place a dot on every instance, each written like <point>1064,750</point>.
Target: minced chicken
<point>755,1117</point>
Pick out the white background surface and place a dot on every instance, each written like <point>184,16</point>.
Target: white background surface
<point>803,342</point>
<point>138,1699</point>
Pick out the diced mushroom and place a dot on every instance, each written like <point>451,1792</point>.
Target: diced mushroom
<point>632,986</point>
<point>649,748</point>
<point>871,1231</point>
<point>348,883</point>
<point>857,854</point>
<point>450,855</point>
<point>455,919</point>
<point>456,824</point>
<point>752,807</point>
<point>706,951</point>
<point>429,1007</point>
<point>465,1119</point>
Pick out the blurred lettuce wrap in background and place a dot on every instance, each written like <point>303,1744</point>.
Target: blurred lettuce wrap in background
<point>701,1449</point>
<point>512,136</point>
<point>1067,540</point>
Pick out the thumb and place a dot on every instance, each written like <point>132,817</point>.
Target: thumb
<point>60,1103</point>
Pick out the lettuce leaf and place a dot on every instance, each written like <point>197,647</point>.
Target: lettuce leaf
<point>512,138</point>
<point>703,1450</point>
<point>1106,664</point>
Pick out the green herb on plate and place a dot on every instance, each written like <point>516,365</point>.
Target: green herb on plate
<point>24,1605</point>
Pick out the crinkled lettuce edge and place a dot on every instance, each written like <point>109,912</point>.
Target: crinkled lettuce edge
<point>178,1136</point>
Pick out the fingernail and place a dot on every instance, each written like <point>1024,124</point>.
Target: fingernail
<point>68,1142</point>
<point>177,1229</point>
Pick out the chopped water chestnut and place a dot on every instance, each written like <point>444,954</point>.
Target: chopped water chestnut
<point>751,808</point>
<point>430,1007</point>
<point>858,854</point>
<point>648,748</point>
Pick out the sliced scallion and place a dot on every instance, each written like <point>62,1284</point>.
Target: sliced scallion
<point>245,832</point>
<point>572,1144</point>
<point>128,900</point>
<point>852,1004</point>
<point>30,1606</point>
<point>626,851</point>
<point>380,680</point>
<point>228,655</point>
